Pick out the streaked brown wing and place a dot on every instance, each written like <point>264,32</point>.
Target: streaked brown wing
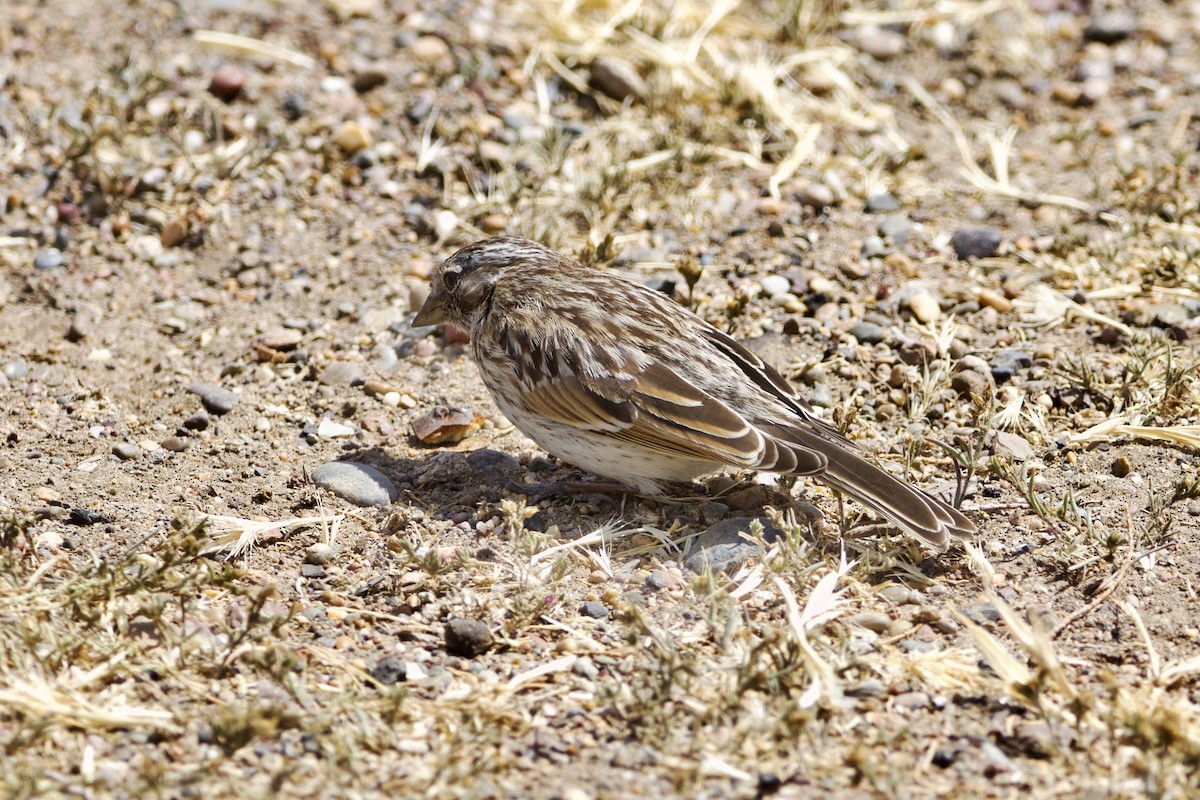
<point>658,410</point>
<point>761,373</point>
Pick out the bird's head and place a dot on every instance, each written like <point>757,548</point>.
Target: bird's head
<point>461,287</point>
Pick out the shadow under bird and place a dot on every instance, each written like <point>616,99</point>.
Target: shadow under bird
<point>618,379</point>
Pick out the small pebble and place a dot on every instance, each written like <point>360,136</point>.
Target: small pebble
<point>976,242</point>
<point>873,247</point>
<point>340,373</point>
<point>360,484</point>
<point>865,689</point>
<point>51,258</point>
<point>175,444</point>
<point>881,43</point>
<point>1006,363</point>
<point>1121,467</point>
<point>227,82</point>
<point>319,553</point>
<point>1111,27</point>
<point>898,594</point>
<point>617,78</point>
<point>868,332</point>
<point>912,700</point>
<point>924,307</point>
<point>875,621</point>
<point>127,451</point>
<point>352,137</point>
<point>197,422</point>
<point>467,638</point>
<point>972,383</point>
<point>430,49</point>
<point>594,609</point>
<point>996,300</point>
<point>895,227</point>
<point>817,195</point>
<point>328,429</point>
<point>882,203</point>
<point>774,284</point>
<point>1012,445</point>
<point>174,232</point>
<point>821,396</point>
<point>215,399</point>
<point>369,78</point>
<point>444,424</point>
<point>389,670</point>
<point>722,547</point>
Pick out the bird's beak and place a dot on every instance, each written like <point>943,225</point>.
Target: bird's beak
<point>432,312</point>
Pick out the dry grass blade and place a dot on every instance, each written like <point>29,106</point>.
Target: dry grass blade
<point>823,605</point>
<point>561,664</point>
<point>1003,662</point>
<point>999,149</point>
<point>35,697</point>
<point>1049,308</point>
<point>254,47</point>
<point>234,536</point>
<point>1151,651</point>
<point>605,535</point>
<point>1116,427</point>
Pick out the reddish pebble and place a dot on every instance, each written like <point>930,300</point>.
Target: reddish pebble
<point>227,82</point>
<point>68,213</point>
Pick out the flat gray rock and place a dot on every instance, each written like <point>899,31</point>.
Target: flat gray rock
<point>215,399</point>
<point>722,547</point>
<point>357,483</point>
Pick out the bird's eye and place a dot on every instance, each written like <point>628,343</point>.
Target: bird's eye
<point>450,278</point>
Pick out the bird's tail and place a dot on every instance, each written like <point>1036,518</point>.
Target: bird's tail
<point>931,520</point>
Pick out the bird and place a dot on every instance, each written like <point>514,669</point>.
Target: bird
<point>621,381</point>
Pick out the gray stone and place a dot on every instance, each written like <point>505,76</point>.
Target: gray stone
<point>215,399</point>
<point>50,258</point>
<point>340,373</point>
<point>490,460</point>
<point>127,452</point>
<point>1170,314</point>
<point>981,613</point>
<point>594,609</point>
<point>723,548</point>
<point>873,247</point>
<point>896,227</point>
<point>1011,445</point>
<point>319,553</point>
<point>15,370</point>
<point>868,332</point>
<point>467,637</point>
<point>389,670</point>
<point>882,203</point>
<point>1005,364</point>
<point>976,242</point>
<point>357,483</point>
<point>1111,27</point>
<point>617,78</point>
<point>821,396</point>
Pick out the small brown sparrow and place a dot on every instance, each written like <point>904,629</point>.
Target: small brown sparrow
<point>621,381</point>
